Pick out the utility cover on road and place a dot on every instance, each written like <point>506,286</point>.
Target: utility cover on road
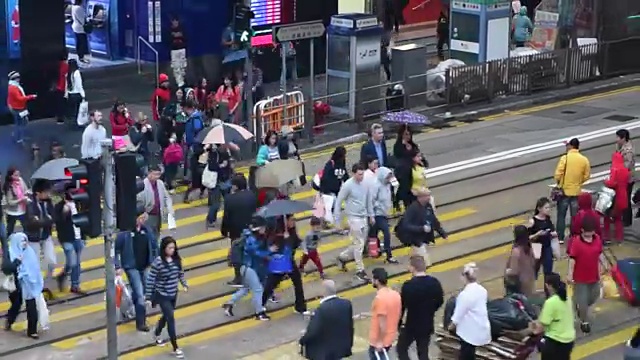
<point>298,31</point>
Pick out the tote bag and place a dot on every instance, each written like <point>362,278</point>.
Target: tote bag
<point>43,312</point>
<point>209,178</point>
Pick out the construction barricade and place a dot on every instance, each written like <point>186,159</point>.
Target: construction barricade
<point>269,114</point>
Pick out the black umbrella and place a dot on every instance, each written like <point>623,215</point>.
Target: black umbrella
<point>283,207</point>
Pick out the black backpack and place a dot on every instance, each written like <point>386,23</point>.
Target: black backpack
<point>400,234</point>
<point>236,253</point>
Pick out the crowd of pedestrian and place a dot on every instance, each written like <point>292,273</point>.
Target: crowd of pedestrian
<point>263,248</point>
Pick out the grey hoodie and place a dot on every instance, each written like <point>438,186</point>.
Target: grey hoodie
<point>381,193</point>
<point>357,199</point>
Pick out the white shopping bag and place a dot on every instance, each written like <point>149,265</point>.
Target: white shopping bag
<point>171,222</point>
<point>83,114</point>
<point>43,312</point>
<point>328,208</point>
<point>124,302</point>
<point>9,284</point>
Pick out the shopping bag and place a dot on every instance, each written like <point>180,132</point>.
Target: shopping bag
<point>9,284</point>
<point>609,290</point>
<point>373,248</point>
<point>124,300</point>
<point>43,312</point>
<point>382,355</point>
<point>83,114</point>
<point>328,207</point>
<point>555,248</point>
<point>209,178</point>
<point>537,250</point>
<point>318,207</point>
<point>171,222</point>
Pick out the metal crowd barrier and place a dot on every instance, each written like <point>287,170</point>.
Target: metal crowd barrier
<point>272,114</point>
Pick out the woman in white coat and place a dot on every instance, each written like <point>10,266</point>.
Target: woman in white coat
<point>80,27</point>
<point>470,318</point>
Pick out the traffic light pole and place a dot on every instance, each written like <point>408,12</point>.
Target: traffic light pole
<point>109,224</point>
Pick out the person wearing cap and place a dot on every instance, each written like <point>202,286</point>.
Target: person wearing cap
<point>572,171</point>
<point>419,223</point>
<point>17,103</point>
<point>329,334</point>
<point>161,96</point>
<point>385,316</point>
<point>470,319</point>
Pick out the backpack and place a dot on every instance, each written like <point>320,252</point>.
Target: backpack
<point>399,233</point>
<point>236,252</point>
<point>315,184</point>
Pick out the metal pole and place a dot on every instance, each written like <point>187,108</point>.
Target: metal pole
<point>109,224</point>
<point>312,89</point>
<point>283,53</point>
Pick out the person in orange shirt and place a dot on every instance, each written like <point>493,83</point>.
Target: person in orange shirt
<point>17,103</point>
<point>385,316</point>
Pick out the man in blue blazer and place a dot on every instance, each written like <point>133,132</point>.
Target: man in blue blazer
<point>376,147</point>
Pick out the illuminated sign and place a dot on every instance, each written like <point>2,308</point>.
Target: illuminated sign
<point>267,12</point>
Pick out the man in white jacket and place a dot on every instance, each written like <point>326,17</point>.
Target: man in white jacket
<point>93,134</point>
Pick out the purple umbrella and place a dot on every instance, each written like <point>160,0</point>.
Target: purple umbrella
<point>406,117</point>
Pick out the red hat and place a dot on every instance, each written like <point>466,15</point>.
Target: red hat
<point>163,78</point>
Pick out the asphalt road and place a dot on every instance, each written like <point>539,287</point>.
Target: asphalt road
<point>482,189</point>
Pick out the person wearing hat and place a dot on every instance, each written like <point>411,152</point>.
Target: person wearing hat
<point>161,96</point>
<point>385,316</point>
<point>287,144</point>
<point>572,171</point>
<point>17,102</point>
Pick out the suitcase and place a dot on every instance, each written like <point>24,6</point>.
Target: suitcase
<point>625,273</point>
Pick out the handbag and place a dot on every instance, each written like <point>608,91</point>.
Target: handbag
<point>605,201</point>
<point>83,114</point>
<point>209,178</point>
<point>556,192</point>
<point>9,284</point>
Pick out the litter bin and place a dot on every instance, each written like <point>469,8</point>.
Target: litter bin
<point>395,98</point>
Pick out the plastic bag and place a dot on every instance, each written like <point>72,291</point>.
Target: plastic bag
<point>43,312</point>
<point>609,289</point>
<point>505,314</point>
<point>124,300</point>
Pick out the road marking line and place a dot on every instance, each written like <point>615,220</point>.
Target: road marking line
<point>228,273</point>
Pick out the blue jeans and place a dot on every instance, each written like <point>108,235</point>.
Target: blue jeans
<point>382,224</point>
<point>566,203</point>
<point>72,251</point>
<point>20,126</point>
<point>137,280</point>
<point>252,283</point>
<point>3,236</point>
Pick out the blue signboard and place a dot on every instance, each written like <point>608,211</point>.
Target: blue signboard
<point>98,13</point>
<point>13,29</point>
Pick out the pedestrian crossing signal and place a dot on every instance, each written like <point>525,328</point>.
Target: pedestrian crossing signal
<point>87,180</point>
<point>128,185</point>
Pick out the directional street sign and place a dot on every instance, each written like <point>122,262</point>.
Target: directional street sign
<point>298,31</point>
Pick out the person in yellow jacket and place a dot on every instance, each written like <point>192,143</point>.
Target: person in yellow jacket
<point>572,172</point>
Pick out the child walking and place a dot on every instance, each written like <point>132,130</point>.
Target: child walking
<point>310,246</point>
<point>172,157</point>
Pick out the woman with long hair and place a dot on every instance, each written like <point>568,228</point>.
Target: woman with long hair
<point>162,290</point>
<point>521,266</point>
<point>79,26</point>
<point>556,320</point>
<point>75,92</point>
<point>269,151</point>
<point>541,233</point>
<point>404,146</point>
<point>228,95</point>
<point>120,119</point>
<point>16,194</point>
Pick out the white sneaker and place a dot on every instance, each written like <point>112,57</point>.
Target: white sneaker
<point>179,354</point>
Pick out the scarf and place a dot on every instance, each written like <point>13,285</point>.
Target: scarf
<point>17,84</point>
<point>29,273</point>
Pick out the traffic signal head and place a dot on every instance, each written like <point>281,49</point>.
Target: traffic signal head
<point>129,184</point>
<point>242,25</point>
<point>86,192</point>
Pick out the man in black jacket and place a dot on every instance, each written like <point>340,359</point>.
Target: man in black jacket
<point>419,223</point>
<point>239,207</point>
<point>376,147</point>
<point>39,225</point>
<point>71,239</point>
<point>329,335</point>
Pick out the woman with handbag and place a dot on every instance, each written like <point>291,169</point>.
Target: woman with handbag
<point>80,27</point>
<point>24,267</point>
<point>75,94</point>
<point>543,237</point>
<point>618,181</point>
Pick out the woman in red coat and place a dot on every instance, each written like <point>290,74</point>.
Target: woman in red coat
<point>618,180</point>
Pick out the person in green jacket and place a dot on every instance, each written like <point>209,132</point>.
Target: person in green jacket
<point>522,28</point>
